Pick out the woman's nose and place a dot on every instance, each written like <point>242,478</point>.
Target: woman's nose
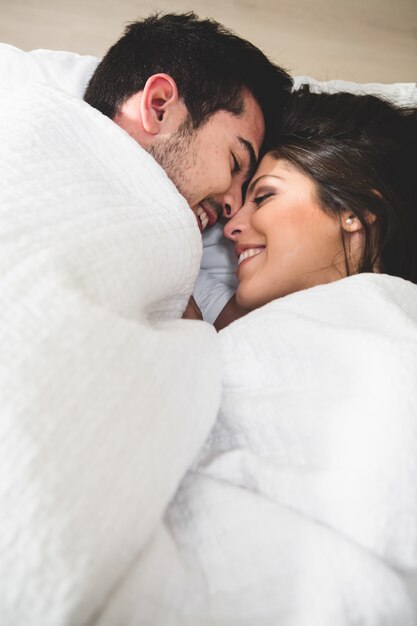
<point>232,229</point>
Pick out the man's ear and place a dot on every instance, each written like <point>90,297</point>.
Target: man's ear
<point>159,104</point>
<point>352,224</point>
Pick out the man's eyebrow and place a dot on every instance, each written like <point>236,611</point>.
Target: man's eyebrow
<point>253,161</point>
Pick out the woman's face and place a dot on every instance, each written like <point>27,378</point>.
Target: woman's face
<point>284,241</point>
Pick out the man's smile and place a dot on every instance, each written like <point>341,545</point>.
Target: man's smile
<point>206,214</point>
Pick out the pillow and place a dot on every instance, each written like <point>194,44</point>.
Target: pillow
<point>404,94</point>
<point>71,72</point>
<point>67,70</point>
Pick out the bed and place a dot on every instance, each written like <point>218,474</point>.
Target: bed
<point>151,470</point>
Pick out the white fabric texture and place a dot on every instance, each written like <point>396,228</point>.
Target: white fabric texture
<point>330,374</point>
<point>66,70</point>
<point>404,94</point>
<point>100,382</point>
<point>301,509</point>
<point>216,280</point>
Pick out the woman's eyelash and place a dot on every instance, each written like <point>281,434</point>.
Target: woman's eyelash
<point>259,199</point>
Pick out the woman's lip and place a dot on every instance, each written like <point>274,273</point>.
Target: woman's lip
<point>250,258</point>
<point>247,246</point>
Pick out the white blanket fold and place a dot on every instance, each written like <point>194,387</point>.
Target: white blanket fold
<point>301,508</point>
<point>319,414</point>
<point>319,409</point>
<point>100,381</point>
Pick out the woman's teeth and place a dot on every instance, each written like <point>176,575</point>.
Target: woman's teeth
<point>202,216</point>
<point>248,253</point>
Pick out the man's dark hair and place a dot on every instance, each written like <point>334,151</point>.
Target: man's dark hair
<point>361,152</point>
<point>210,65</point>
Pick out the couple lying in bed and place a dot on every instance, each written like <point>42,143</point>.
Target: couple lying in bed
<point>307,480</point>
<point>333,196</point>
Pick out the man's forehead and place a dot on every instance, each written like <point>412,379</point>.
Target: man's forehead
<point>251,132</point>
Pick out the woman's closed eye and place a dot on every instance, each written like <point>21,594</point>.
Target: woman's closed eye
<point>259,199</point>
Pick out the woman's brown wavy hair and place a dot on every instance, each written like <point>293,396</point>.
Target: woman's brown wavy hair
<point>361,151</point>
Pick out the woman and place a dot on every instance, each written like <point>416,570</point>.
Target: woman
<point>336,195</point>
<point>301,508</point>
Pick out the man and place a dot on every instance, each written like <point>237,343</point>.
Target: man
<point>197,98</point>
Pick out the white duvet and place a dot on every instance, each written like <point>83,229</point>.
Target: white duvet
<point>313,460</point>
<point>299,509</point>
<point>100,381</point>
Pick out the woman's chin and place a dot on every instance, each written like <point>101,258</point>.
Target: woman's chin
<point>248,299</point>
<point>242,300</point>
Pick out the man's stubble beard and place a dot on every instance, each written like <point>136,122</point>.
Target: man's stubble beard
<point>177,155</point>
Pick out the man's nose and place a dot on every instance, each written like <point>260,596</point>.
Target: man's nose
<point>232,201</point>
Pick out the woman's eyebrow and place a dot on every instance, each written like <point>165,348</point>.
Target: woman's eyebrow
<point>251,154</point>
<point>253,183</point>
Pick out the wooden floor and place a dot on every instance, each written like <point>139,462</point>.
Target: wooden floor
<point>359,40</point>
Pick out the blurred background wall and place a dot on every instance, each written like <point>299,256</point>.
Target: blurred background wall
<point>358,40</point>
